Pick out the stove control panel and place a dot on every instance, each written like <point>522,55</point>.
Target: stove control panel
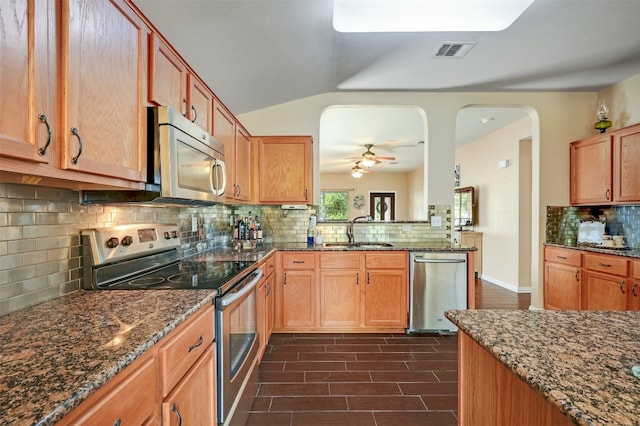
<point>128,241</point>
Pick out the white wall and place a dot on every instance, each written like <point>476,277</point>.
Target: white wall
<point>557,119</point>
<point>623,100</point>
<point>498,200</point>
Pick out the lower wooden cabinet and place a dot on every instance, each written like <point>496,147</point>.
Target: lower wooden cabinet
<point>193,400</point>
<point>634,290</point>
<point>266,302</point>
<point>562,278</point>
<point>605,282</point>
<point>348,291</point>
<point>120,401</point>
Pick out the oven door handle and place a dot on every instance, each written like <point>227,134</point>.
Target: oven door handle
<point>246,288</point>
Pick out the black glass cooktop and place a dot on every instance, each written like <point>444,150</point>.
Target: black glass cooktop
<point>186,275</point>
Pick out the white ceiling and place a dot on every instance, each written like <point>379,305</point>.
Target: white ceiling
<point>259,53</point>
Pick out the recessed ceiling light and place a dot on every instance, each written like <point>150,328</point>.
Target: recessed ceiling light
<point>425,15</point>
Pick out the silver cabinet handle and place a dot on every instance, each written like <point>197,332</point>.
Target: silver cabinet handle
<point>195,114</point>
<point>118,422</point>
<point>633,289</point>
<point>42,151</point>
<point>74,131</point>
<point>425,260</point>
<point>621,284</point>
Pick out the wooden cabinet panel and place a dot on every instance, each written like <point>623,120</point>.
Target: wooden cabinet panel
<point>474,239</point>
<point>615,265</point>
<point>299,299</point>
<point>591,170</point>
<point>561,286</point>
<point>104,87</point>
<point>284,170</point>
<point>395,260</point>
<point>185,346</point>
<point>201,103</point>
<point>340,298</point>
<point>603,292</point>
<point>563,256</point>
<point>298,260</point>
<point>634,287</point>
<point>626,160</point>
<point>27,81</point>
<point>385,302</point>
<point>341,260</point>
<point>193,401</point>
<point>167,76</point>
<point>122,399</point>
<point>242,164</point>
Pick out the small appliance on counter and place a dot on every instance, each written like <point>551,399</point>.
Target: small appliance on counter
<point>590,233</point>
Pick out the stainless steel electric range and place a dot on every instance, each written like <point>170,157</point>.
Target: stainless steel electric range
<point>146,257</point>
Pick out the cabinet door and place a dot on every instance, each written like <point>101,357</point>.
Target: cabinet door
<point>386,298</point>
<point>201,104</point>
<point>243,164</point>
<point>626,169</point>
<point>224,129</point>
<point>105,88</point>
<point>285,170</point>
<point>561,286</point>
<point>604,292</point>
<point>590,169</point>
<point>193,401</point>
<point>27,79</point>
<point>634,287</point>
<point>167,76</point>
<point>261,313</point>
<point>340,298</point>
<point>299,299</point>
<point>270,305</point>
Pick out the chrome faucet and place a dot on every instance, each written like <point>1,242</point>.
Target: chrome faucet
<point>350,227</point>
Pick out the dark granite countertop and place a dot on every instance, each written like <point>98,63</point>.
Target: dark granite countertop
<point>55,354</point>
<point>265,249</point>
<point>628,252</point>
<point>580,361</point>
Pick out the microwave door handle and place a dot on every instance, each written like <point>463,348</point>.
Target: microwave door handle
<point>216,187</point>
<point>222,188</point>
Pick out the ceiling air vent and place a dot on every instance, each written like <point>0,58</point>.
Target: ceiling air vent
<point>454,49</point>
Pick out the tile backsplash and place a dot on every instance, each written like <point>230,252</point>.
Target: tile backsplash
<point>40,253</point>
<point>563,221</point>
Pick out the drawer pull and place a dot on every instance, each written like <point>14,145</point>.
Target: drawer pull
<point>118,422</point>
<point>174,408</point>
<point>301,262</point>
<point>357,278</point>
<point>285,279</point>
<point>608,265</point>
<point>577,274</point>
<point>607,193</point>
<point>197,344</point>
<point>561,257</point>
<point>633,289</point>
<point>621,284</point>
<point>368,278</point>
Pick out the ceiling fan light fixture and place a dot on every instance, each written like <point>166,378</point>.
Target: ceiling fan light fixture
<point>426,15</point>
<point>368,162</point>
<point>356,174</point>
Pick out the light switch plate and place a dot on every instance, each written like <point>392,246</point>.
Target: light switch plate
<point>436,220</point>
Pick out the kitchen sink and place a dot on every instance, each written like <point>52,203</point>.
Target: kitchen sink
<point>362,245</point>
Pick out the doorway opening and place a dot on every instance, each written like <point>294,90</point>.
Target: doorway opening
<point>382,205</point>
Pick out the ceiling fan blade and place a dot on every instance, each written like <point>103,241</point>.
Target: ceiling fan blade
<point>380,157</point>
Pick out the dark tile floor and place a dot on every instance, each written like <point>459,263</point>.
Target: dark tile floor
<point>365,379</point>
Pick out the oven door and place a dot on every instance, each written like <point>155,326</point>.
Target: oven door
<point>237,341</point>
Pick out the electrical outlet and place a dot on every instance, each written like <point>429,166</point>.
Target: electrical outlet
<point>436,220</point>
<point>406,228</point>
<point>194,224</point>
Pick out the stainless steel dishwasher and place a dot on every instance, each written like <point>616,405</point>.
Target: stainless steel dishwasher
<point>438,283</point>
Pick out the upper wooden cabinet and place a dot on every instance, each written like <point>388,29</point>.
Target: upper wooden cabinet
<point>27,84</point>
<point>604,168</point>
<point>104,124</point>
<point>237,152</point>
<point>284,170</point>
<point>172,84</point>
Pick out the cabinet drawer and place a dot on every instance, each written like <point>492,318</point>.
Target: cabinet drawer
<point>268,265</point>
<point>564,256</point>
<point>340,260</point>
<point>395,260</point>
<point>298,260</point>
<point>636,269</point>
<point>184,347</point>
<point>608,264</point>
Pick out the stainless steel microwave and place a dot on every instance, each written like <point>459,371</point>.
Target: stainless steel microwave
<point>185,165</point>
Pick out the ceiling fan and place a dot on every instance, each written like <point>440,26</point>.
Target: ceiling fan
<point>358,171</point>
<point>369,158</point>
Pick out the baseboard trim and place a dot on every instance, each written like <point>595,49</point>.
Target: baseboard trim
<point>506,285</point>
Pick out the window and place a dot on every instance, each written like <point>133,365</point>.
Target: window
<point>334,205</point>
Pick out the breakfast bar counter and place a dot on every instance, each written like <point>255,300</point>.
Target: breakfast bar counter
<point>577,363</point>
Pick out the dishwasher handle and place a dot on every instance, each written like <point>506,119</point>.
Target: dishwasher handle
<point>425,260</point>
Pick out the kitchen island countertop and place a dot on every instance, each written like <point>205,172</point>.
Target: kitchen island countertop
<point>580,361</point>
